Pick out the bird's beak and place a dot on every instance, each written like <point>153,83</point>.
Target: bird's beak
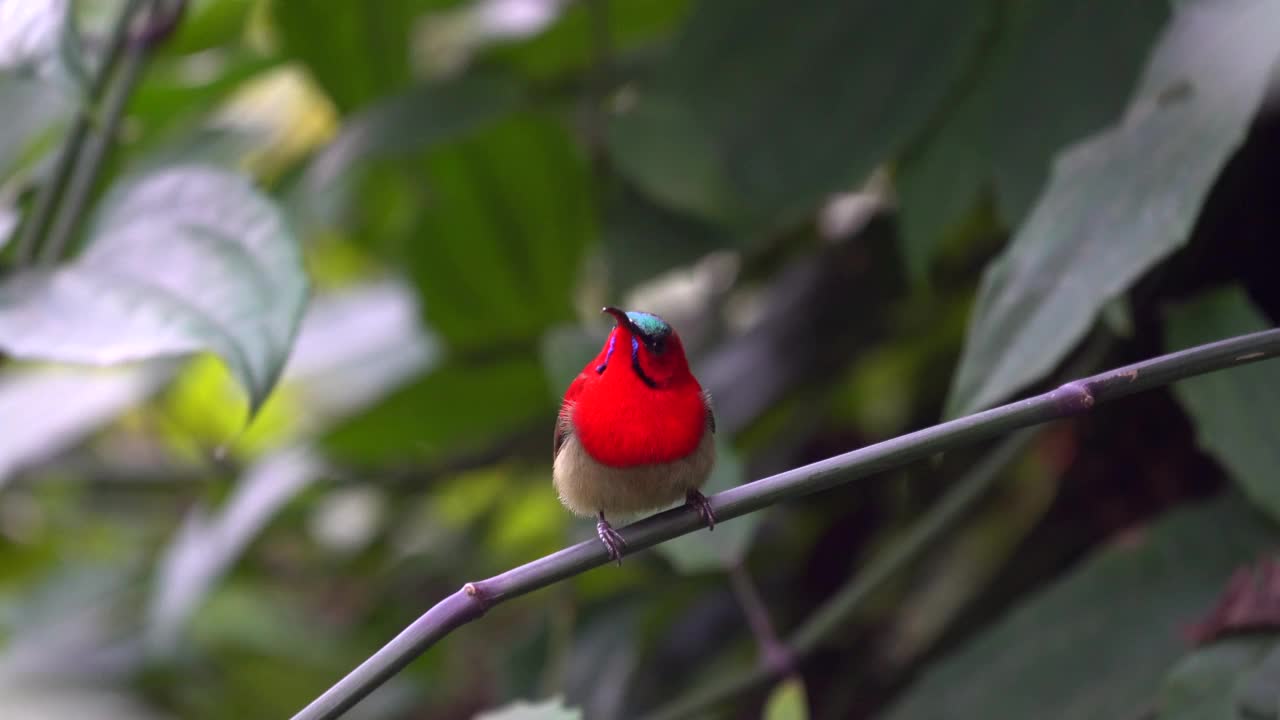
<point>623,320</point>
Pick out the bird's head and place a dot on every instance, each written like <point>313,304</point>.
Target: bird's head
<point>646,345</point>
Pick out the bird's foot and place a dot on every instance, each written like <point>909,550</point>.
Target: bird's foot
<point>613,542</point>
<point>699,502</point>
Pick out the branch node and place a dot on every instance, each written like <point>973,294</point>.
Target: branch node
<point>158,25</point>
<point>778,660</point>
<point>481,596</point>
<point>1073,397</point>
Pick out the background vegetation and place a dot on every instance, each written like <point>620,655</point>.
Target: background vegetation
<point>382,230</point>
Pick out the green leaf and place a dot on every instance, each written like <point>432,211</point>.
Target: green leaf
<point>181,260</point>
<point>1258,692</point>
<point>357,51</point>
<point>169,101</point>
<point>418,119</point>
<point>1005,128</point>
<point>1206,684</point>
<point>939,181</point>
<point>727,544</point>
<point>570,44</point>
<point>455,409</point>
<point>1097,642</point>
<point>208,25</point>
<point>353,348</point>
<point>498,251</point>
<point>552,709</point>
<point>601,663</point>
<point>566,350</point>
<point>762,109</point>
<point>642,239</point>
<point>661,147</point>
<point>1122,201</point>
<point>1236,412</point>
<point>1108,43</point>
<point>787,701</point>
<point>209,542</point>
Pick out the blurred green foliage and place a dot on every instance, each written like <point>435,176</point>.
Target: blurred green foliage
<point>343,258</point>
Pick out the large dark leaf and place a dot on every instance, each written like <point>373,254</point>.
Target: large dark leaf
<point>1097,643</point>
<point>453,410</point>
<point>209,25</point>
<point>357,51</point>
<point>1120,202</point>
<point>764,108</point>
<point>406,123</point>
<point>1213,683</point>
<point>498,251</point>
<point>181,260</point>
<point>642,239</point>
<point>572,43</point>
<point>1022,105</point>
<point>1236,412</point>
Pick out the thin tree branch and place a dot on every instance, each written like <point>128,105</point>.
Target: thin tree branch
<point>91,160</point>
<point>942,516</point>
<point>47,201</point>
<point>1072,398</point>
<point>162,19</point>
<point>774,656</point>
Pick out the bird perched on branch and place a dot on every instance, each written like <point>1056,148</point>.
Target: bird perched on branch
<point>635,429</point>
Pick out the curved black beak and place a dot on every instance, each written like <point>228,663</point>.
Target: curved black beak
<point>623,320</point>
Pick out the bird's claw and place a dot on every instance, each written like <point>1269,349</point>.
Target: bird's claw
<point>613,542</point>
<point>702,506</point>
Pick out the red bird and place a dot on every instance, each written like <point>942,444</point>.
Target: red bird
<point>635,429</point>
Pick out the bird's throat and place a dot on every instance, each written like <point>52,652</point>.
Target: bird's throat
<point>622,422</point>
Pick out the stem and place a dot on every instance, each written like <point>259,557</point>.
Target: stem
<point>1072,398</point>
<point>95,152</point>
<point>774,656</point>
<point>49,195</point>
<point>942,516</point>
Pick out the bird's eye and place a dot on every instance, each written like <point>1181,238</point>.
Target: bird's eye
<point>657,345</point>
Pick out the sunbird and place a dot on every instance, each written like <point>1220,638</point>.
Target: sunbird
<point>635,430</point>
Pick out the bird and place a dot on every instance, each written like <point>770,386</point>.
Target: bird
<point>635,430</point>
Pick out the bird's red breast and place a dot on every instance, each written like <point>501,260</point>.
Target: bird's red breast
<point>633,406</point>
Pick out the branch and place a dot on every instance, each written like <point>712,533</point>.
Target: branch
<point>1072,398</point>
<point>47,201</point>
<point>91,158</point>
<point>774,656</point>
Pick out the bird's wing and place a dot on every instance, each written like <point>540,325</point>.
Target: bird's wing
<point>711,413</point>
<point>563,426</point>
<point>563,430</point>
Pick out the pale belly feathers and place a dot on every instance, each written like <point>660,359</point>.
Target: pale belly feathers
<point>587,486</point>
